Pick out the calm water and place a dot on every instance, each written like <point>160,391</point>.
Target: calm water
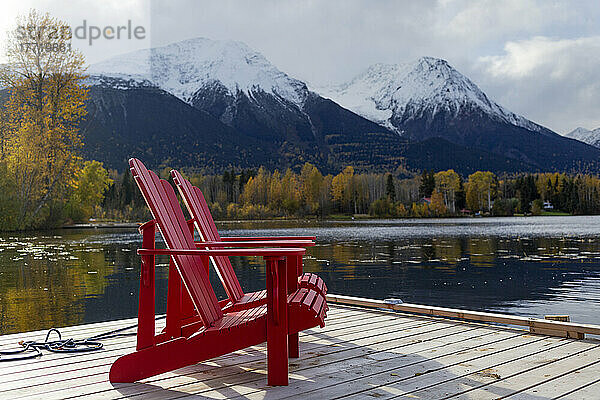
<point>526,266</point>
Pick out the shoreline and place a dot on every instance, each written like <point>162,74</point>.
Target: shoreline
<point>335,218</point>
<point>102,225</point>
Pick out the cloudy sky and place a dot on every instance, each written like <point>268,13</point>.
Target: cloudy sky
<point>540,58</point>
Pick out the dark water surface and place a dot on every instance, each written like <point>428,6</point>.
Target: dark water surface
<point>526,266</point>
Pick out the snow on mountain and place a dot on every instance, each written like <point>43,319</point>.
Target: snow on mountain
<point>245,101</point>
<point>586,136</point>
<point>388,93</point>
<point>185,67</point>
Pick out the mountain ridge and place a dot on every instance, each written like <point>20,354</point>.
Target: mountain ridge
<point>182,68</point>
<point>428,82</point>
<point>261,107</point>
<point>429,98</point>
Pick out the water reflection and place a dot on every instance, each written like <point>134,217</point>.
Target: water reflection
<point>529,266</point>
<point>458,272</point>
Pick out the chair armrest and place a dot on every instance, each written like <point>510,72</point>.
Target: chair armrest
<point>270,243</point>
<point>268,253</point>
<point>146,225</point>
<point>259,238</point>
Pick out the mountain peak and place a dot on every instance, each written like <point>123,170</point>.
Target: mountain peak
<point>388,93</point>
<point>184,67</point>
<point>591,137</point>
<point>433,63</point>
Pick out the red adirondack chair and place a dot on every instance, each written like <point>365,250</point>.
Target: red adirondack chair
<point>197,328</point>
<point>202,219</point>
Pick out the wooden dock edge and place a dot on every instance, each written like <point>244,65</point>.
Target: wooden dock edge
<point>535,325</point>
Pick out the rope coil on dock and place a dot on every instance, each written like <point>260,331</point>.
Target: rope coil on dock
<point>32,349</point>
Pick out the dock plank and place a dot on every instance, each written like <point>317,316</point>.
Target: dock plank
<point>332,376</point>
<point>589,391</point>
<point>235,360</point>
<point>359,354</point>
<point>324,362</point>
<point>97,366</point>
<point>578,381</point>
<point>538,371</point>
<point>461,379</point>
<point>126,345</point>
<point>422,369</point>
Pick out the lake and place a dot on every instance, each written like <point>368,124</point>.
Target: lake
<point>523,265</point>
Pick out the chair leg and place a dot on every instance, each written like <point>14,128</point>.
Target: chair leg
<point>146,325</point>
<point>277,323</point>
<point>294,266</point>
<point>293,346</point>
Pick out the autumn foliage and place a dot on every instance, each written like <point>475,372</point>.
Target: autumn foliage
<point>40,139</point>
<point>257,194</point>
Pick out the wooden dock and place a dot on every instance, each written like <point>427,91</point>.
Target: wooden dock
<point>361,353</point>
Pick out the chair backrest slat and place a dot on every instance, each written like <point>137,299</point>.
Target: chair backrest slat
<point>162,201</point>
<point>203,220</point>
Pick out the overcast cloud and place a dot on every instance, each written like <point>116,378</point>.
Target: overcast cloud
<point>540,58</point>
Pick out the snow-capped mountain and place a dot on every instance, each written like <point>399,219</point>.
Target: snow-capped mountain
<point>184,68</point>
<point>217,104</point>
<point>586,136</point>
<point>227,79</point>
<point>393,94</point>
<point>428,98</point>
<point>273,118</point>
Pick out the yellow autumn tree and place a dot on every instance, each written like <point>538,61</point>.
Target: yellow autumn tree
<point>447,183</point>
<point>342,188</point>
<point>291,192</point>
<point>90,184</point>
<point>310,184</point>
<point>41,138</point>
<point>480,190</point>
<point>437,207</point>
<point>255,190</point>
<point>275,195</point>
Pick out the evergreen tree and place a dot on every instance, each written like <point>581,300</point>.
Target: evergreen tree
<point>527,192</point>
<point>390,188</point>
<point>245,177</point>
<point>427,184</point>
<point>229,179</point>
